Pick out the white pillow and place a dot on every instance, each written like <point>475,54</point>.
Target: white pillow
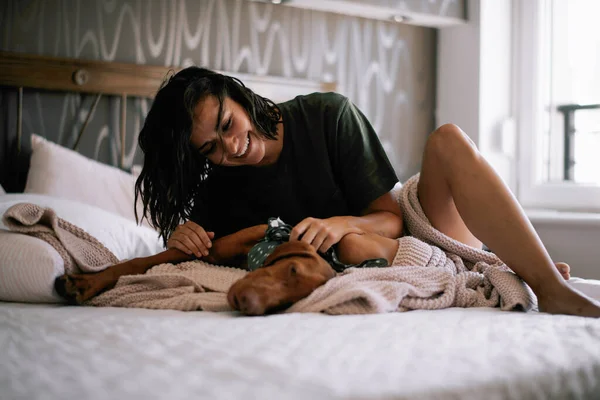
<point>2,191</point>
<point>60,172</point>
<point>29,265</point>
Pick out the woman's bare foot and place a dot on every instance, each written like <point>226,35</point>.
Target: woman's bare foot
<point>569,301</point>
<point>564,269</point>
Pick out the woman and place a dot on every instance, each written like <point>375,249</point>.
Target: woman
<point>223,158</point>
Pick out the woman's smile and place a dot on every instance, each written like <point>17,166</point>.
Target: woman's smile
<point>225,135</point>
<point>244,149</point>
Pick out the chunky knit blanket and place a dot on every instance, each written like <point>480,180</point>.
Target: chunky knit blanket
<point>430,271</point>
<point>80,251</point>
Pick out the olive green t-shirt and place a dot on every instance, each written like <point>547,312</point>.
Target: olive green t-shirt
<point>331,164</point>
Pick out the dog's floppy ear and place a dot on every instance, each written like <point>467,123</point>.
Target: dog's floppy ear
<point>295,248</point>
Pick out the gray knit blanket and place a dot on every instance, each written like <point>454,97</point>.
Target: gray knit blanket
<point>430,271</point>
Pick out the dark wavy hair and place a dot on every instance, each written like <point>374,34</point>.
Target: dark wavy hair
<point>174,173</point>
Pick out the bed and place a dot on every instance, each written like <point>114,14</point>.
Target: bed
<point>53,351</point>
<point>57,352</point>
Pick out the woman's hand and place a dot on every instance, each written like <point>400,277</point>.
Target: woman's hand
<point>191,238</point>
<point>323,233</point>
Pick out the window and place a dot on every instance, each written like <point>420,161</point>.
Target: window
<point>558,101</point>
<point>573,111</point>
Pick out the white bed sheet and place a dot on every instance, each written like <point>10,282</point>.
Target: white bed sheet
<point>58,352</point>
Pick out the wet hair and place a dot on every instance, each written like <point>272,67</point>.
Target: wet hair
<point>174,172</point>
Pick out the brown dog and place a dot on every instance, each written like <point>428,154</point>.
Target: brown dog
<point>289,274</point>
<point>231,250</point>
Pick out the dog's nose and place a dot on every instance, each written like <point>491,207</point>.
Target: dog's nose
<point>249,302</point>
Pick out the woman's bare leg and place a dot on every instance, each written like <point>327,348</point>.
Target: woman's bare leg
<point>463,197</point>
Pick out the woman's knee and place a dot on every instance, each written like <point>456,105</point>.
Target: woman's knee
<point>449,142</point>
<point>350,248</point>
<point>355,248</point>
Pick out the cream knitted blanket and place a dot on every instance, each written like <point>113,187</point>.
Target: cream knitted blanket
<point>80,251</point>
<point>430,271</point>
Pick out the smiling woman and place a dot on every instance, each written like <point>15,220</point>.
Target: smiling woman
<point>224,158</point>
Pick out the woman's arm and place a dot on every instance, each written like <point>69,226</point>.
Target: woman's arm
<point>382,217</point>
<point>233,249</point>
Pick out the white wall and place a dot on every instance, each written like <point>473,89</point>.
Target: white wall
<point>458,74</point>
<point>495,106</point>
<point>474,91</point>
<point>474,81</point>
<point>573,239</point>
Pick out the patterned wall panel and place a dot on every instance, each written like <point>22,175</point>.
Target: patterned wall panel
<point>387,69</point>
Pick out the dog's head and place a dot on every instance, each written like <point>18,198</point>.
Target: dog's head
<point>289,274</point>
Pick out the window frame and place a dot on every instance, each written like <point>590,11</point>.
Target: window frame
<point>532,191</point>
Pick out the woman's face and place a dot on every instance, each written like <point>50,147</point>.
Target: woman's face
<point>241,144</point>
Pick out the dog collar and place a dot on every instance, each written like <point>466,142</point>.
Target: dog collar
<point>277,232</point>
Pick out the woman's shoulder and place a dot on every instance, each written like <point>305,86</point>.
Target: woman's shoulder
<point>326,97</point>
<point>317,99</point>
<point>322,102</point>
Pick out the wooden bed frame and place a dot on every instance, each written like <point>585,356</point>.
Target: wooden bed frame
<point>100,78</point>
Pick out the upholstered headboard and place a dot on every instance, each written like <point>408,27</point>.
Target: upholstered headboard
<point>106,99</point>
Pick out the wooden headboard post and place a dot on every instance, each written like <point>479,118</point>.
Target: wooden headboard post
<point>19,118</point>
<point>79,76</point>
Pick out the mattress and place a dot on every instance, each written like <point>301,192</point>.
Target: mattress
<point>59,352</point>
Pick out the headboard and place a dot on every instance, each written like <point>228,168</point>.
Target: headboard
<point>25,72</point>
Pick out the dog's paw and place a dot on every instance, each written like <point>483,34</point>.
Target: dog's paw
<point>78,288</point>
